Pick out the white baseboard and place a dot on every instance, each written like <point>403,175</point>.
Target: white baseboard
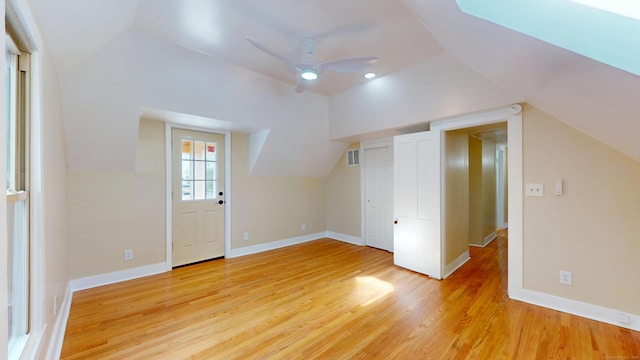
<point>57,333</point>
<point>487,240</point>
<point>117,276</point>
<point>578,308</point>
<point>455,264</point>
<point>345,238</point>
<point>248,250</point>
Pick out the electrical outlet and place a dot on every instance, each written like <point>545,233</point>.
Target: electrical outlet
<point>566,278</point>
<point>303,227</point>
<point>128,254</point>
<point>623,318</point>
<point>534,190</point>
<point>246,236</point>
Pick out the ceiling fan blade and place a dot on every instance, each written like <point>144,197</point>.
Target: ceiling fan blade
<point>348,65</point>
<point>286,60</point>
<point>300,86</point>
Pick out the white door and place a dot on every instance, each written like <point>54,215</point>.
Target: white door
<point>198,198</point>
<point>378,168</point>
<point>417,236</point>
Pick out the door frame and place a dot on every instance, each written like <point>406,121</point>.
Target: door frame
<point>500,186</point>
<point>169,186</point>
<point>513,116</point>
<point>373,144</point>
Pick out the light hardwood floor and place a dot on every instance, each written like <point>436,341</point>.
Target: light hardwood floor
<point>330,300</point>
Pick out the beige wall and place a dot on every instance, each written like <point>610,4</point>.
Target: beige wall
<point>271,208</point>
<point>110,211</point>
<point>482,190</point>
<point>475,191</point>
<point>54,192</point>
<point>506,189</point>
<point>592,230</point>
<point>457,195</point>
<point>343,197</point>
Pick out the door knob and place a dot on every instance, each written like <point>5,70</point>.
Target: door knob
<point>220,202</point>
<point>395,222</point>
<point>220,193</point>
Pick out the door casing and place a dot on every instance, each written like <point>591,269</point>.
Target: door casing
<point>513,117</point>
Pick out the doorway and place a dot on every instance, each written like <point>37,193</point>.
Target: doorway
<point>470,189</point>
<point>198,196</point>
<point>487,194</point>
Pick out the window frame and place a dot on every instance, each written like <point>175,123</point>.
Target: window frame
<point>18,186</point>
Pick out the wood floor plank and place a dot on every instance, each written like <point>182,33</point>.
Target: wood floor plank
<point>330,300</point>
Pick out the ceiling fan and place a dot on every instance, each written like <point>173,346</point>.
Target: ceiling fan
<point>308,70</point>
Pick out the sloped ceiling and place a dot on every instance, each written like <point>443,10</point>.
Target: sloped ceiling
<point>591,96</point>
<point>171,59</point>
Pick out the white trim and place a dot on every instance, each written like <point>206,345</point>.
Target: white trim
<point>34,341</point>
<point>168,198</point>
<point>116,276</point>
<point>21,16</point>
<point>573,307</point>
<point>169,185</point>
<point>346,238</point>
<point>487,240</point>
<point>471,120</point>
<point>456,264</point>
<point>248,250</point>
<point>515,204</point>
<point>60,326</point>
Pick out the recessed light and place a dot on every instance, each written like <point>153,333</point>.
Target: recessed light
<point>369,75</point>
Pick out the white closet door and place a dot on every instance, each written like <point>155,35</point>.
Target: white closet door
<point>379,197</point>
<point>417,199</point>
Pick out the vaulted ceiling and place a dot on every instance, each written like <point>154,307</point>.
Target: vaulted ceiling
<point>198,49</point>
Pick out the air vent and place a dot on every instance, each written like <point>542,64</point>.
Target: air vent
<point>353,157</point>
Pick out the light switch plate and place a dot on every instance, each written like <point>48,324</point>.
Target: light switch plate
<point>534,190</point>
<point>558,190</point>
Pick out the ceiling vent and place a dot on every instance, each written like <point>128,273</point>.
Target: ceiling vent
<point>353,157</point>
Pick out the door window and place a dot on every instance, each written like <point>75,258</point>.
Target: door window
<point>198,170</point>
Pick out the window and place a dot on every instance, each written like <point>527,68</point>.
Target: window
<point>17,125</point>
<point>199,161</point>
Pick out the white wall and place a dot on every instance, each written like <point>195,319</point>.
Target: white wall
<point>435,88</point>
<point>4,320</point>
<point>103,95</point>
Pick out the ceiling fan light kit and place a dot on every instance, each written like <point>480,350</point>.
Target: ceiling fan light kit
<point>308,70</point>
<point>308,74</point>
